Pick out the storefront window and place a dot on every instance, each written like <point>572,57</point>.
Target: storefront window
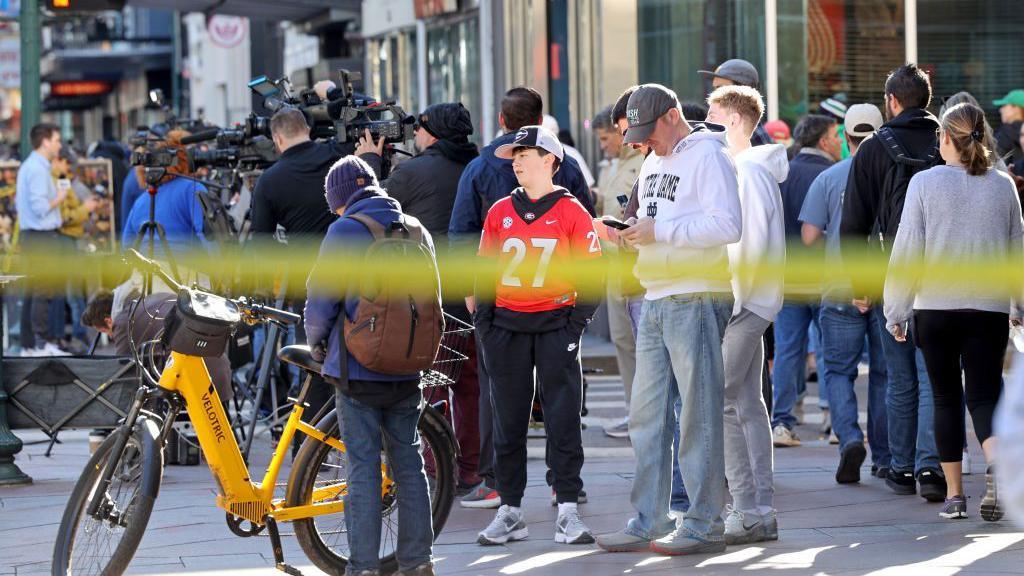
<point>829,47</point>
<point>392,72</point>
<point>973,46</point>
<point>679,37</point>
<point>453,64</point>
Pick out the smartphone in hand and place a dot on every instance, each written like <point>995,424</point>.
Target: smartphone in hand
<point>614,223</point>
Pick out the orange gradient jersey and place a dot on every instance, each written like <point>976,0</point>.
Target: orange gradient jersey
<point>531,249</point>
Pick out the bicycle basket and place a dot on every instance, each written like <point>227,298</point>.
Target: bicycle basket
<point>450,355</point>
<point>201,324</point>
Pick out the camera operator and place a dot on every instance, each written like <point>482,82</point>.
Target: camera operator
<point>426,184</point>
<point>177,211</point>
<point>291,192</point>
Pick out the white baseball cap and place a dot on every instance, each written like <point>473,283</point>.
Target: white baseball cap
<point>862,120</point>
<point>532,137</point>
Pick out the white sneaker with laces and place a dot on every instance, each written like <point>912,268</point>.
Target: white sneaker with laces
<point>618,430</point>
<point>783,437</point>
<point>569,528</point>
<point>508,525</point>
<point>743,528</point>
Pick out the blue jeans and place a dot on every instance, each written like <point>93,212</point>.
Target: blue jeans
<point>680,339</point>
<point>680,501</point>
<point>908,401</point>
<point>366,431</point>
<point>843,329</point>
<point>791,340</point>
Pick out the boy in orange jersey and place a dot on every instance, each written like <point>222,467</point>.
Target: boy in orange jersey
<point>531,318</point>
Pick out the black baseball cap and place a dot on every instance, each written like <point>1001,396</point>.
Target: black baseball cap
<point>736,70</point>
<point>646,104</point>
<point>532,137</point>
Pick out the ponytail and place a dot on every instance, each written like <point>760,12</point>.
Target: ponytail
<point>966,127</point>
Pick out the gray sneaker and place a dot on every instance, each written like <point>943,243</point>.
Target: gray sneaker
<point>771,526</point>
<point>481,497</point>
<point>622,541</point>
<point>507,526</point>
<point>570,529</point>
<point>743,528</point>
<point>425,569</point>
<point>683,542</point>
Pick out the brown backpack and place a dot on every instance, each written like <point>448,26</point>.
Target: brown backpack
<point>398,324</point>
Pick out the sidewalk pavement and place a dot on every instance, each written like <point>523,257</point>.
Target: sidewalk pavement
<point>824,528</point>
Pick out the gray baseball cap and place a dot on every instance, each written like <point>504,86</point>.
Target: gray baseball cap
<point>737,70</point>
<point>646,104</point>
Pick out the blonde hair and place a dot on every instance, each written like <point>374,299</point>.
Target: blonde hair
<point>742,100</point>
<point>966,127</point>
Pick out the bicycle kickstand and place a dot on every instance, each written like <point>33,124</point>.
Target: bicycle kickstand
<point>275,542</point>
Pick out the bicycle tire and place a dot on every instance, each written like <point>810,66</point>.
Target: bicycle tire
<point>145,441</point>
<point>435,432</point>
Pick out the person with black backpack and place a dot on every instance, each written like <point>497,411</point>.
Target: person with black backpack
<point>376,332</point>
<point>872,207</point>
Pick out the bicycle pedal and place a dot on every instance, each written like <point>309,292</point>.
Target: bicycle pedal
<point>288,569</point>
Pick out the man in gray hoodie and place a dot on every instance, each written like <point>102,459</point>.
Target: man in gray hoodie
<point>757,284</point>
<point>690,205</point>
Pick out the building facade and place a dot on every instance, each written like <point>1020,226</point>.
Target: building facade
<point>580,54</point>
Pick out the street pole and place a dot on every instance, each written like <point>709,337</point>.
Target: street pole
<point>31,51</point>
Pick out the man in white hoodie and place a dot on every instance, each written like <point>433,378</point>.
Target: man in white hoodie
<point>690,205</point>
<point>757,283</point>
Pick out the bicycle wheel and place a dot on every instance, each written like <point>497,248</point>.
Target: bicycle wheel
<point>324,539</point>
<point>105,544</point>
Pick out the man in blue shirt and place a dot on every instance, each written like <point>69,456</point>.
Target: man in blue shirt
<point>819,149</point>
<point>844,325</point>
<point>37,200</point>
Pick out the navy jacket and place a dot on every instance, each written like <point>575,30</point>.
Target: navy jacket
<point>323,320</point>
<point>488,179</point>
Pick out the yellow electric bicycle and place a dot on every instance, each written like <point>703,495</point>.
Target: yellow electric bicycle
<point>113,499</point>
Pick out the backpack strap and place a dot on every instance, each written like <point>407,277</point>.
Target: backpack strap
<point>899,154</point>
<point>374,227</point>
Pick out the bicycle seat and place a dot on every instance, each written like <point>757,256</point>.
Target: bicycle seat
<point>300,356</point>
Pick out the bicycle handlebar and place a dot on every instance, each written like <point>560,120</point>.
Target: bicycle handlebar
<point>136,260</point>
<point>252,310</point>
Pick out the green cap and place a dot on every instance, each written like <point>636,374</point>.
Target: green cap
<point>1014,97</point>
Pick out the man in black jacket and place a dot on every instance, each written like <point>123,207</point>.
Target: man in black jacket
<point>425,186</point>
<point>290,194</point>
<point>872,207</point>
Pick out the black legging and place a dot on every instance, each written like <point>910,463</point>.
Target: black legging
<point>975,341</point>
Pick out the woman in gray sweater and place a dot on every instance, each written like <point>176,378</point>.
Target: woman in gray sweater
<point>962,213</point>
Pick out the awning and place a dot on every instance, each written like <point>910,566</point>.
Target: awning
<point>281,10</point>
<point>96,63</point>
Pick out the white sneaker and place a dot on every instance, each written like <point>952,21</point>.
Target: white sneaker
<point>966,464</point>
<point>832,438</point>
<point>618,430</point>
<point>570,529</point>
<point>783,437</point>
<point>507,526</point>
<point>742,528</point>
<point>51,349</point>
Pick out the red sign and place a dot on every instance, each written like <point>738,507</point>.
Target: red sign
<point>80,88</point>
<point>226,31</point>
<point>430,8</point>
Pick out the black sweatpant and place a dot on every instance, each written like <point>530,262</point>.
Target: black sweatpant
<point>975,341</point>
<point>511,360</point>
